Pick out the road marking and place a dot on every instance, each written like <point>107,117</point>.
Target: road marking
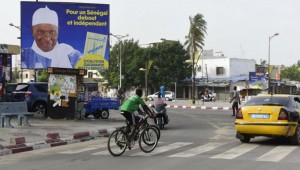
<point>277,153</point>
<point>162,149</point>
<point>74,151</point>
<point>235,152</point>
<point>198,150</point>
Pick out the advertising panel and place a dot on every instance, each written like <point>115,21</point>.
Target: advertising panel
<point>64,35</point>
<point>62,96</point>
<point>63,86</point>
<point>258,81</point>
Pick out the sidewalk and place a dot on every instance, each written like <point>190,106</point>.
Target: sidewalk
<point>49,133</point>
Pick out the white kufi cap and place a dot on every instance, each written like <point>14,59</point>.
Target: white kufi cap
<point>45,16</point>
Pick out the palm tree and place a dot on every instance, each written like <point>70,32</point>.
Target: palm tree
<point>195,42</point>
<point>263,63</point>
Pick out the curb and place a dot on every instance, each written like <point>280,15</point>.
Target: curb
<point>19,144</point>
<point>197,107</point>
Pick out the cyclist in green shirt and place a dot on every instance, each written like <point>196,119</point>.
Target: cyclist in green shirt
<point>131,105</point>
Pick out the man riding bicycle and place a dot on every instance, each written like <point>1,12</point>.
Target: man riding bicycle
<point>130,106</point>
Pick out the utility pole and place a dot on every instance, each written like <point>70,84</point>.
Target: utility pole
<point>119,38</point>
<point>269,59</point>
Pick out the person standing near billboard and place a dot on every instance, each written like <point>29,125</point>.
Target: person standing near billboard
<point>45,50</point>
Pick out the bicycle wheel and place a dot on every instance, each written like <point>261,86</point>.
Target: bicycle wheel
<point>116,143</point>
<point>148,140</point>
<point>157,130</point>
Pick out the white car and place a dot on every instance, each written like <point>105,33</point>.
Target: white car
<point>169,95</point>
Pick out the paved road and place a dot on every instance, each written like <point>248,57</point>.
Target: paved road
<point>68,130</point>
<point>220,151</point>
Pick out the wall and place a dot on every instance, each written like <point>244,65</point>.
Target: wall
<point>232,67</point>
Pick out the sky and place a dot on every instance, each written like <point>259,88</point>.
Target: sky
<point>237,28</point>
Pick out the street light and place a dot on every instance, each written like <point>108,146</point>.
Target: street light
<point>19,28</point>
<point>120,37</point>
<point>269,56</point>
<point>146,70</point>
<point>11,24</point>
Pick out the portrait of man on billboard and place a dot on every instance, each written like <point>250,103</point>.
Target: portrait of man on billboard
<point>46,51</point>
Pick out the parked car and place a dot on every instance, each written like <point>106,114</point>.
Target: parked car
<point>10,87</point>
<point>269,115</point>
<point>169,95</point>
<point>35,94</point>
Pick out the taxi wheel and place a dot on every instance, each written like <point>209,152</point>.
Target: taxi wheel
<point>245,139</point>
<point>295,139</point>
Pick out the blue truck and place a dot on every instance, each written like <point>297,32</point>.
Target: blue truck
<point>99,106</point>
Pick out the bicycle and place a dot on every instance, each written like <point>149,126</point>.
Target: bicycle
<point>146,136</point>
<point>145,124</point>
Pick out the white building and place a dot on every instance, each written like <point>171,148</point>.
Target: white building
<point>220,73</point>
<point>220,67</point>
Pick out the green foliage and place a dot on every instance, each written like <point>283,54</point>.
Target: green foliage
<point>195,42</point>
<point>291,73</point>
<point>130,57</point>
<point>43,75</point>
<point>195,38</point>
<point>54,88</point>
<point>168,58</point>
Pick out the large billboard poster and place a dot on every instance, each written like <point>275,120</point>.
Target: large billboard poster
<point>64,35</point>
<point>258,80</point>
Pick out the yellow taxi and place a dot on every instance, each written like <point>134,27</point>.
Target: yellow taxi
<point>269,115</point>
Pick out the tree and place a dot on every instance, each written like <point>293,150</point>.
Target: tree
<point>43,75</point>
<point>291,73</point>
<point>131,62</point>
<point>298,63</point>
<point>263,63</point>
<point>165,55</point>
<point>195,42</point>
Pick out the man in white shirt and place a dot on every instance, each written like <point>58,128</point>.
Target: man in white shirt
<point>45,50</point>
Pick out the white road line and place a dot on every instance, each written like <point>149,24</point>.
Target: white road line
<point>198,150</point>
<point>74,151</point>
<point>106,152</point>
<point>277,153</point>
<point>162,149</point>
<point>235,152</point>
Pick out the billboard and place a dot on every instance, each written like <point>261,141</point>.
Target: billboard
<point>258,80</point>
<point>64,35</point>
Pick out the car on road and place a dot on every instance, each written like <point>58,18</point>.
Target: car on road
<point>271,116</point>
<point>169,95</point>
<point>35,94</point>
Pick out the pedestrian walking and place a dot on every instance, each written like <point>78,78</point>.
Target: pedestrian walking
<point>236,101</point>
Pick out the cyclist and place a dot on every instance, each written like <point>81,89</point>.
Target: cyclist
<point>131,105</point>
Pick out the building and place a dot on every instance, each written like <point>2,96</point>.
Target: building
<point>219,73</point>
